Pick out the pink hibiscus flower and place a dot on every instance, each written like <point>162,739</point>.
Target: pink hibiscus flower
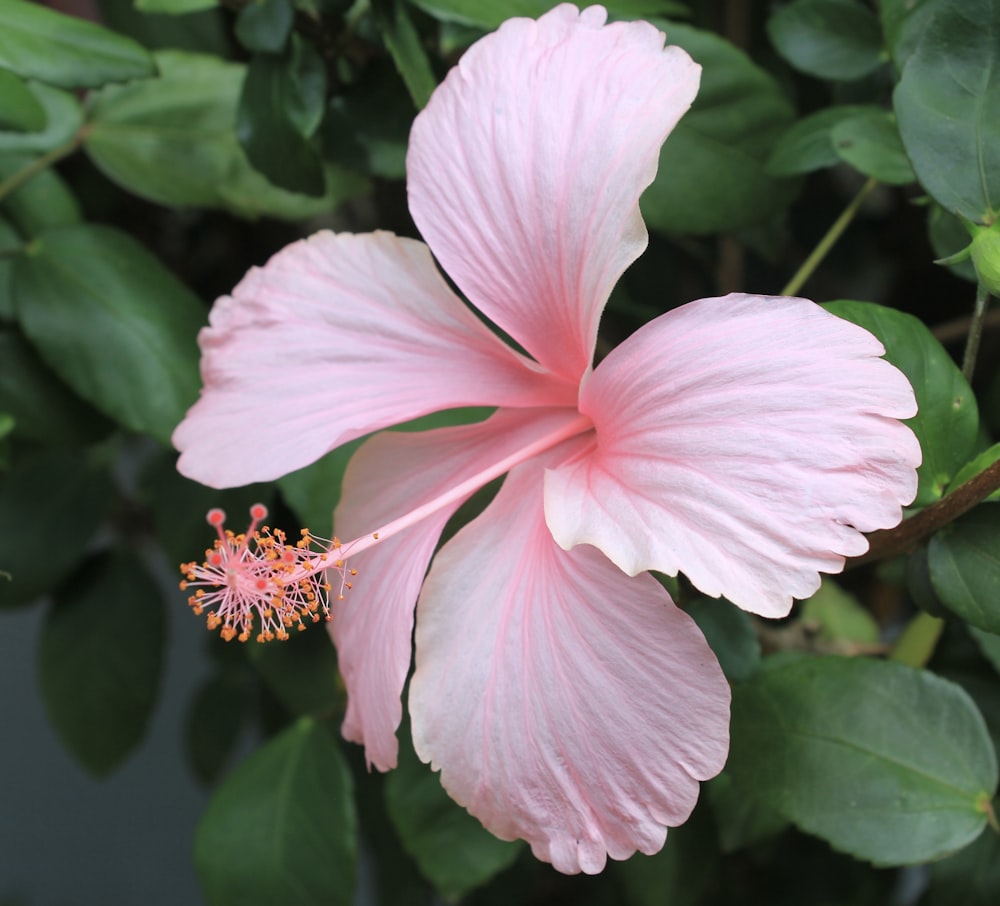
<point>747,441</point>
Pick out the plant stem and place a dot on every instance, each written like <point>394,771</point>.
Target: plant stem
<point>18,179</point>
<point>909,533</point>
<point>829,240</point>
<point>975,332</point>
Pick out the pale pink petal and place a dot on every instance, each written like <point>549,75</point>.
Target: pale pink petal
<point>335,337</point>
<point>525,170</point>
<point>746,441</point>
<point>390,475</point>
<point>563,702</point>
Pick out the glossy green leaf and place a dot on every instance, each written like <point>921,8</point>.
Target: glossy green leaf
<point>964,560</point>
<point>10,242</point>
<point>302,671</point>
<point>314,491</point>
<point>45,409</point>
<point>267,135</point>
<point>831,39</point>
<point>741,820</point>
<point>989,645</point>
<point>947,420</point>
<point>263,26</point>
<point>903,22</point>
<point>282,827</point>
<point>403,43</point>
<point>835,616</point>
<point>808,145</point>
<point>721,145</point>
<point>173,140</point>
<point>174,7</point>
<point>100,657</point>
<point>44,201</point>
<point>730,634</point>
<point>38,43</point>
<point>946,103</point>
<point>62,117</point>
<point>948,237</point>
<point>84,290</point>
<point>890,764</point>
<point>489,14</point>
<point>217,717</point>
<point>451,848</point>
<point>367,126</point>
<point>870,143</point>
<point>51,505</point>
<point>972,468</point>
<point>306,95</point>
<point>970,877</point>
<point>19,108</point>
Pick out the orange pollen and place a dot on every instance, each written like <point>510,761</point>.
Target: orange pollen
<point>258,577</point>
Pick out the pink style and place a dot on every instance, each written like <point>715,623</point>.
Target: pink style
<point>746,441</point>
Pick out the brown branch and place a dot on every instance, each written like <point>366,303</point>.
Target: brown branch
<point>909,533</point>
<point>958,328</point>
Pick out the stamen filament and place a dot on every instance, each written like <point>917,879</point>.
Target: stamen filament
<point>578,425</point>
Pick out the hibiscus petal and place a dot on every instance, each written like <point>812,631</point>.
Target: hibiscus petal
<point>525,170</point>
<point>335,337</point>
<point>390,475</point>
<point>564,702</point>
<point>747,441</point>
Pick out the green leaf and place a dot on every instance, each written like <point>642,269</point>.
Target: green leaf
<point>302,671</point>
<point>42,202</point>
<point>730,634</point>
<point>45,409</point>
<point>216,719</point>
<point>19,108</point>
<point>451,848</point>
<point>367,125</point>
<point>989,645</point>
<point>267,134</point>
<point>721,145</point>
<point>173,140</point>
<point>808,145</point>
<point>100,659</point>
<point>305,94</point>
<point>947,421</point>
<point>964,560</point>
<point>314,491</point>
<point>830,39</point>
<point>85,289</point>
<point>38,43</point>
<point>903,22</point>
<point>403,43</point>
<point>948,237</point>
<point>837,617</point>
<point>971,469</point>
<point>741,820</point>
<point>890,764</point>
<point>263,26</point>
<point>282,827</point>
<point>870,143</point>
<point>51,507</point>
<point>946,103</point>
<point>970,877</point>
<point>62,117</point>
<point>10,241</point>
<point>489,14</point>
<point>174,7</point>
